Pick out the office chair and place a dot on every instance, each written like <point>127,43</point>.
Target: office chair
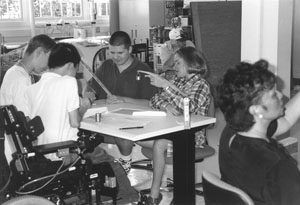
<point>218,192</point>
<point>101,55</point>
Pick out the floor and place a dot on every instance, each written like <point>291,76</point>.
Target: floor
<point>141,179</point>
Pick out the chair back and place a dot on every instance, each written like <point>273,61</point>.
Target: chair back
<point>101,55</point>
<point>218,192</point>
<point>141,51</point>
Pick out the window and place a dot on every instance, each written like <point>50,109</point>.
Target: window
<point>10,9</point>
<point>57,9</point>
<point>47,9</point>
<point>102,7</point>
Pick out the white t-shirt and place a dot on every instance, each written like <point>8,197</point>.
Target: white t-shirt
<point>52,98</point>
<point>14,84</point>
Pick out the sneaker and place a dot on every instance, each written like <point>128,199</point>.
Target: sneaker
<point>154,201</point>
<point>126,164</point>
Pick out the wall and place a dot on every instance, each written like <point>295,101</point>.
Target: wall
<point>157,12</point>
<point>296,40</point>
<point>266,33</point>
<point>114,16</point>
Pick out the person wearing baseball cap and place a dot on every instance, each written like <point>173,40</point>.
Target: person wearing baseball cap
<point>178,39</point>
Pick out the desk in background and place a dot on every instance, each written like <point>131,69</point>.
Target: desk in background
<point>183,142</point>
<point>88,47</point>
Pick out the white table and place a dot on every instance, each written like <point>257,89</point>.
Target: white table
<point>168,126</point>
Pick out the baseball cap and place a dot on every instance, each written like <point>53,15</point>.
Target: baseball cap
<point>176,33</point>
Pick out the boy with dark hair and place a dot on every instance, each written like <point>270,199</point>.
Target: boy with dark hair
<point>19,77</point>
<point>55,97</point>
<point>118,74</point>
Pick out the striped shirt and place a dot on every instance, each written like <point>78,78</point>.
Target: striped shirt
<point>197,89</point>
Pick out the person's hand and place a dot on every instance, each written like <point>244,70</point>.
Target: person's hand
<point>170,109</point>
<point>90,95</point>
<point>158,80</point>
<point>113,99</point>
<point>85,102</point>
<point>70,158</point>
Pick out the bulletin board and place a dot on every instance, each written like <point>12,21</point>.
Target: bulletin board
<point>217,33</point>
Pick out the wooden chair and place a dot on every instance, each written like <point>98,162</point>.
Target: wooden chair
<point>101,55</point>
<point>218,192</point>
<point>141,51</point>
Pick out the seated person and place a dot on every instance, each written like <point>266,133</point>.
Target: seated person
<point>19,77</point>
<point>55,97</point>
<point>249,157</point>
<point>191,69</point>
<point>177,40</point>
<point>118,74</point>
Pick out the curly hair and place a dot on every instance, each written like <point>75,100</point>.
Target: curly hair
<point>242,87</point>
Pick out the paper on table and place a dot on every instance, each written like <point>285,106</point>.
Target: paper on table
<point>120,121</point>
<point>150,113</point>
<point>93,111</point>
<point>125,111</point>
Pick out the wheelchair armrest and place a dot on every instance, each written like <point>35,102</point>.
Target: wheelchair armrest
<point>54,147</point>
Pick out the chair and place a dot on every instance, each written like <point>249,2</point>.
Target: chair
<point>141,51</point>
<point>218,192</point>
<point>32,173</point>
<point>101,55</point>
<point>146,164</point>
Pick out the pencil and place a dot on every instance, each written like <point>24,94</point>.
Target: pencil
<point>127,128</point>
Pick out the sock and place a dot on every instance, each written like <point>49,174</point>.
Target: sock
<point>126,158</point>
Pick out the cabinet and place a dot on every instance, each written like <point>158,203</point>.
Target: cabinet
<point>136,17</point>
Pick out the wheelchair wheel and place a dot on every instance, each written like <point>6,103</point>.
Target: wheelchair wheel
<point>28,200</point>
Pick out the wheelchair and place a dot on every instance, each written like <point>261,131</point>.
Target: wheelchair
<point>31,173</point>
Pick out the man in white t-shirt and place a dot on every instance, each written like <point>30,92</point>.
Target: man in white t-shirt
<point>55,97</point>
<point>18,78</point>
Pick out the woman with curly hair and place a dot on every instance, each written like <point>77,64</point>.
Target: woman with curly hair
<point>249,156</point>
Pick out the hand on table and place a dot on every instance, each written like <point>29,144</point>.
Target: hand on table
<point>170,109</point>
<point>90,95</point>
<point>113,99</point>
<point>86,102</point>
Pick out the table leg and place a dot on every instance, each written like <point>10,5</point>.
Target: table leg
<point>184,167</point>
